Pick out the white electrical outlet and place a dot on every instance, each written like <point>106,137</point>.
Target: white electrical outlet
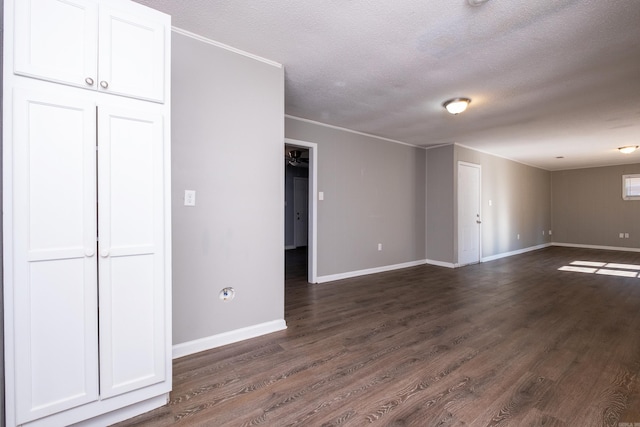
<point>320,195</point>
<point>621,235</point>
<point>379,246</point>
<point>626,235</point>
<point>550,233</point>
<point>227,294</point>
<point>518,237</point>
<point>189,197</point>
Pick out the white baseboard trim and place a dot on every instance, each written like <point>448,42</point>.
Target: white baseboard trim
<point>516,252</point>
<point>207,343</point>
<point>289,247</point>
<point>606,248</point>
<point>441,263</point>
<point>350,274</point>
<point>127,412</point>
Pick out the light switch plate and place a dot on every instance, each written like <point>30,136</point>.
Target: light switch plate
<point>189,197</point>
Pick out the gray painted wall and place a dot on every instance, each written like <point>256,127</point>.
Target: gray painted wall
<point>588,207</point>
<point>227,139</point>
<point>374,192</point>
<point>520,203</point>
<point>441,218</point>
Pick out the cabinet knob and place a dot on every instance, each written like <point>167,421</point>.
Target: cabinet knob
<point>104,84</point>
<point>89,81</point>
<point>89,253</point>
<point>104,253</point>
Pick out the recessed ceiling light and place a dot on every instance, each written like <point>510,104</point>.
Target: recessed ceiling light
<point>628,149</point>
<point>456,105</point>
<point>559,157</point>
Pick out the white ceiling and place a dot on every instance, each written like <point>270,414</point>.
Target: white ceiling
<point>547,78</point>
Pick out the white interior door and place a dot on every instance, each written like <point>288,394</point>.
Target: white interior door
<point>131,247</point>
<point>469,219</point>
<point>54,260</point>
<point>301,211</point>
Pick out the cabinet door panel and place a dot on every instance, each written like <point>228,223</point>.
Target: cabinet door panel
<point>133,353</point>
<point>55,288</point>
<point>132,54</point>
<point>133,158</point>
<point>131,234</point>
<point>57,40</point>
<point>58,301</point>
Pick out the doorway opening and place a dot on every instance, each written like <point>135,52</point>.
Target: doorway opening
<point>300,163</point>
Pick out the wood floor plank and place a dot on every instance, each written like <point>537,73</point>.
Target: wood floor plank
<point>512,342</point>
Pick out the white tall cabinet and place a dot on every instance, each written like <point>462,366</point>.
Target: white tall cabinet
<point>86,218</point>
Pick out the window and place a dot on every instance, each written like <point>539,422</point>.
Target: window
<point>631,187</point>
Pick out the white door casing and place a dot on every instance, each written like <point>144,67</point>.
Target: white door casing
<point>469,215</point>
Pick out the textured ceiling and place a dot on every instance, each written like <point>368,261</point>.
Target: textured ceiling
<point>547,78</point>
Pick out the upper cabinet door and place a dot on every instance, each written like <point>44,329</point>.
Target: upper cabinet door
<point>57,40</point>
<point>120,48</point>
<point>132,52</point>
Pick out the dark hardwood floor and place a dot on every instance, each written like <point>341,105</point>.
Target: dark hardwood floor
<point>509,342</point>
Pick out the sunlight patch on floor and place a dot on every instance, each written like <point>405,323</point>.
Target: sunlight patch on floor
<point>617,273</point>
<point>612,269</point>
<point>578,269</point>
<point>623,266</point>
<point>589,263</point>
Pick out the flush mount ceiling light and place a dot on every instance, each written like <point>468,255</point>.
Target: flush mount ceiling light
<point>456,105</point>
<point>628,149</point>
